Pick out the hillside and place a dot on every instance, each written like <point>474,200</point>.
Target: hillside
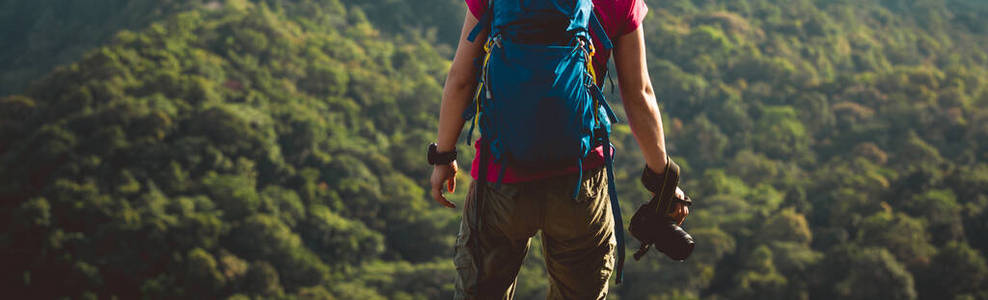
<point>41,34</point>
<point>274,149</point>
<point>224,151</point>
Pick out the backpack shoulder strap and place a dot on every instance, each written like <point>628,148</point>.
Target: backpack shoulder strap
<point>598,30</point>
<point>483,22</point>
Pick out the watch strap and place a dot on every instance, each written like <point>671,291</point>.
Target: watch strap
<point>440,158</point>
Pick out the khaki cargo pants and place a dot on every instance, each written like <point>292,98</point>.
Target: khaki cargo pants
<point>577,234</point>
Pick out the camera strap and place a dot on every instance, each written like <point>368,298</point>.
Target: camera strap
<point>663,186</point>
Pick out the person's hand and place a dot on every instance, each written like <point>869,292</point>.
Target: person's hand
<point>443,174</point>
<point>679,209</point>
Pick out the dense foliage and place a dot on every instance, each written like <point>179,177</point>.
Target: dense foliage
<point>274,149</point>
<point>41,34</point>
<point>228,150</point>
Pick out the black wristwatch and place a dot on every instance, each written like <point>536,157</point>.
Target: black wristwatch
<point>440,158</point>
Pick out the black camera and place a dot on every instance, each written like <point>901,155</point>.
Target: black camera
<point>652,225</point>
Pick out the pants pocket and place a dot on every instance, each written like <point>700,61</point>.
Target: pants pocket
<point>466,269</point>
<point>592,185</point>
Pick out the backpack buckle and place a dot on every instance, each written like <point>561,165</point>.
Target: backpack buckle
<point>587,45</point>
<point>497,41</point>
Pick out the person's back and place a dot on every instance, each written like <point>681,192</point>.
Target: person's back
<point>577,229</point>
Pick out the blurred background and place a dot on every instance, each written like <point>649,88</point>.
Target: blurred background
<point>275,149</point>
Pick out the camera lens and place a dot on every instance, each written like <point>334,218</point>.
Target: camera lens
<point>674,241</point>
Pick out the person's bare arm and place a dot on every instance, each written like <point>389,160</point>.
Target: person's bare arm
<point>641,107</point>
<point>460,85</point>
<point>639,99</point>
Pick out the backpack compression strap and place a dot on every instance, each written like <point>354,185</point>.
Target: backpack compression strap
<point>603,138</point>
<point>616,210</point>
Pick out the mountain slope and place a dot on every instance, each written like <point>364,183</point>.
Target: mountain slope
<point>39,35</point>
<point>228,150</point>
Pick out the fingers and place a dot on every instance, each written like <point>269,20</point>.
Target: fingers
<point>437,195</point>
<point>683,212</point>
<point>679,213</point>
<point>451,184</point>
<point>446,203</point>
<point>437,181</point>
<point>676,211</point>
<point>681,209</point>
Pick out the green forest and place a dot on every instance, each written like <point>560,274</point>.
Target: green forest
<point>275,149</point>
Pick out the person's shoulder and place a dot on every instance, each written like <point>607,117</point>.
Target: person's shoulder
<point>620,16</point>
<point>477,7</point>
<point>618,8</point>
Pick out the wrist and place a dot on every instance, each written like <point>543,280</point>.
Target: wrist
<point>442,147</point>
<point>451,165</point>
<point>657,170</point>
<point>657,165</point>
<point>657,182</point>
<point>437,157</point>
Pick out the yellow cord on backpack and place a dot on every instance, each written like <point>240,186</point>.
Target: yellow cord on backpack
<point>593,77</point>
<point>590,54</point>
<point>480,87</point>
<point>476,98</point>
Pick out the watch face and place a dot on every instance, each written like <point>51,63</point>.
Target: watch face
<point>432,153</point>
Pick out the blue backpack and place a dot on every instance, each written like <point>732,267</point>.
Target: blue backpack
<point>538,103</point>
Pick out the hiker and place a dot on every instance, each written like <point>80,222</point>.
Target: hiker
<point>509,202</point>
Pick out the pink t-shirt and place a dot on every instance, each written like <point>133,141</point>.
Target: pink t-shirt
<point>618,17</point>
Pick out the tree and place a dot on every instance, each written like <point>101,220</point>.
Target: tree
<point>940,209</point>
<point>262,280</point>
<point>903,236</point>
<point>850,272</point>
<point>955,270</point>
<point>780,134</point>
<point>202,275</point>
<point>786,226</point>
<point>759,279</point>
